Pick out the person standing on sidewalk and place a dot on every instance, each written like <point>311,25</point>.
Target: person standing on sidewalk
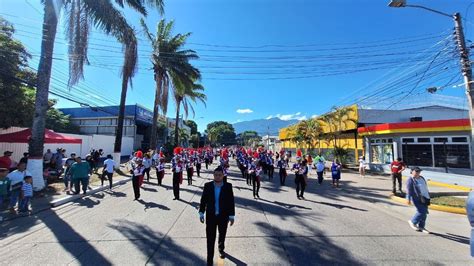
<point>147,164</point>
<point>320,170</point>
<point>362,165</point>
<point>109,167</point>
<point>67,175</point>
<point>80,172</point>
<point>26,194</point>
<point>336,173</point>
<point>418,193</point>
<point>4,186</point>
<point>397,168</point>
<point>16,178</point>
<point>217,202</point>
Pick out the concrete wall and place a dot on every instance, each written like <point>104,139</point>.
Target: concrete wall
<point>373,116</point>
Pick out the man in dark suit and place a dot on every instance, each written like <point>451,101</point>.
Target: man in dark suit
<point>218,203</point>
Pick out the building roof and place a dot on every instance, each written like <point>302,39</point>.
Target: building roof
<point>141,114</point>
<point>412,127</point>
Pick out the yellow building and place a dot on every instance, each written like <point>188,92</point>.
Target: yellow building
<point>338,128</point>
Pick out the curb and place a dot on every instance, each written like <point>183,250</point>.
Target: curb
<point>433,206</point>
<point>456,187</point>
<point>61,201</point>
<point>446,185</point>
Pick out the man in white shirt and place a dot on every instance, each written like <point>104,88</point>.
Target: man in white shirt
<point>16,178</point>
<point>109,166</point>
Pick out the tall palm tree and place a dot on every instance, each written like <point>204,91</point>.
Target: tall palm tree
<point>170,64</point>
<point>185,96</point>
<point>80,16</point>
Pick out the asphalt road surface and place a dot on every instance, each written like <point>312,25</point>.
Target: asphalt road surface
<point>356,224</point>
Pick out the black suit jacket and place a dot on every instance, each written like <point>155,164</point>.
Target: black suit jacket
<point>226,201</point>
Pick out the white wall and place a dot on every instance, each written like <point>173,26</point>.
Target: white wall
<point>89,142</point>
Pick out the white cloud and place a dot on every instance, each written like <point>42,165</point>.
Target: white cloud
<point>314,116</point>
<point>269,117</point>
<point>244,111</point>
<point>287,117</point>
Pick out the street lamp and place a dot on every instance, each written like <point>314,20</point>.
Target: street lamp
<point>464,58</point>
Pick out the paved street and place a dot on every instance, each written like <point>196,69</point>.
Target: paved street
<point>356,224</point>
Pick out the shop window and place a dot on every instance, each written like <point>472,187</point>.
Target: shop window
<point>381,154</point>
<point>420,155</point>
<point>424,140</point>
<point>440,139</point>
<point>452,155</point>
<point>404,140</point>
<point>459,139</point>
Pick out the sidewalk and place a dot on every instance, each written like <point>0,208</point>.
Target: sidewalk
<point>55,192</point>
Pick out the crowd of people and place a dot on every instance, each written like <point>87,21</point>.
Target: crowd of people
<point>16,182</point>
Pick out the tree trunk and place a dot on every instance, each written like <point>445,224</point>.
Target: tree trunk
<point>176,127</point>
<point>121,117</point>
<point>155,113</point>
<point>36,143</point>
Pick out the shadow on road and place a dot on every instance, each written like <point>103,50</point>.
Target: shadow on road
<point>453,237</point>
<point>156,247</point>
<point>151,205</point>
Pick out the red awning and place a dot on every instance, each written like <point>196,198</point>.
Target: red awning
<point>50,136</point>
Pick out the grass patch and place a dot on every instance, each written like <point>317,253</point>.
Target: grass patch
<point>449,201</point>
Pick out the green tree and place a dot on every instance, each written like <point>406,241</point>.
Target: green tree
<point>185,96</point>
<point>79,18</point>
<point>191,124</point>
<point>220,133</point>
<point>15,79</point>
<point>172,69</point>
<point>336,123</point>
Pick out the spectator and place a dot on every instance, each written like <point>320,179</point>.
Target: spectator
<point>109,166</point>
<point>90,161</point>
<point>319,165</point>
<point>47,157</point>
<point>58,160</point>
<point>336,172</point>
<point>96,158</point>
<point>16,178</point>
<point>4,185</point>
<point>5,160</point>
<point>67,175</point>
<point>26,194</point>
<point>418,193</point>
<point>397,168</point>
<point>80,172</point>
<point>24,159</point>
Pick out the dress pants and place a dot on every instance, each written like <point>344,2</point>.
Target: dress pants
<point>214,222</point>
<point>282,174</point>
<point>176,177</point>
<point>300,185</point>
<point>136,186</point>
<point>198,169</point>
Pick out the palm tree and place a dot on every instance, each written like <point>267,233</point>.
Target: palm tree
<point>185,96</point>
<point>170,65</point>
<point>81,15</point>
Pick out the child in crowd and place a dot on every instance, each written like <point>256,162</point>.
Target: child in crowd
<point>4,186</point>
<point>26,194</point>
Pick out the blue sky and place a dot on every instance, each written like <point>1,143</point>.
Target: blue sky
<point>261,58</point>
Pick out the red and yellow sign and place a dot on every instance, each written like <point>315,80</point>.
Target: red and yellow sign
<point>414,127</point>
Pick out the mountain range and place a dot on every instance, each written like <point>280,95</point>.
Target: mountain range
<point>263,126</point>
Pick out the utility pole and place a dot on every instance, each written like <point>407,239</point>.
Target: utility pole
<point>464,58</point>
<point>466,71</point>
